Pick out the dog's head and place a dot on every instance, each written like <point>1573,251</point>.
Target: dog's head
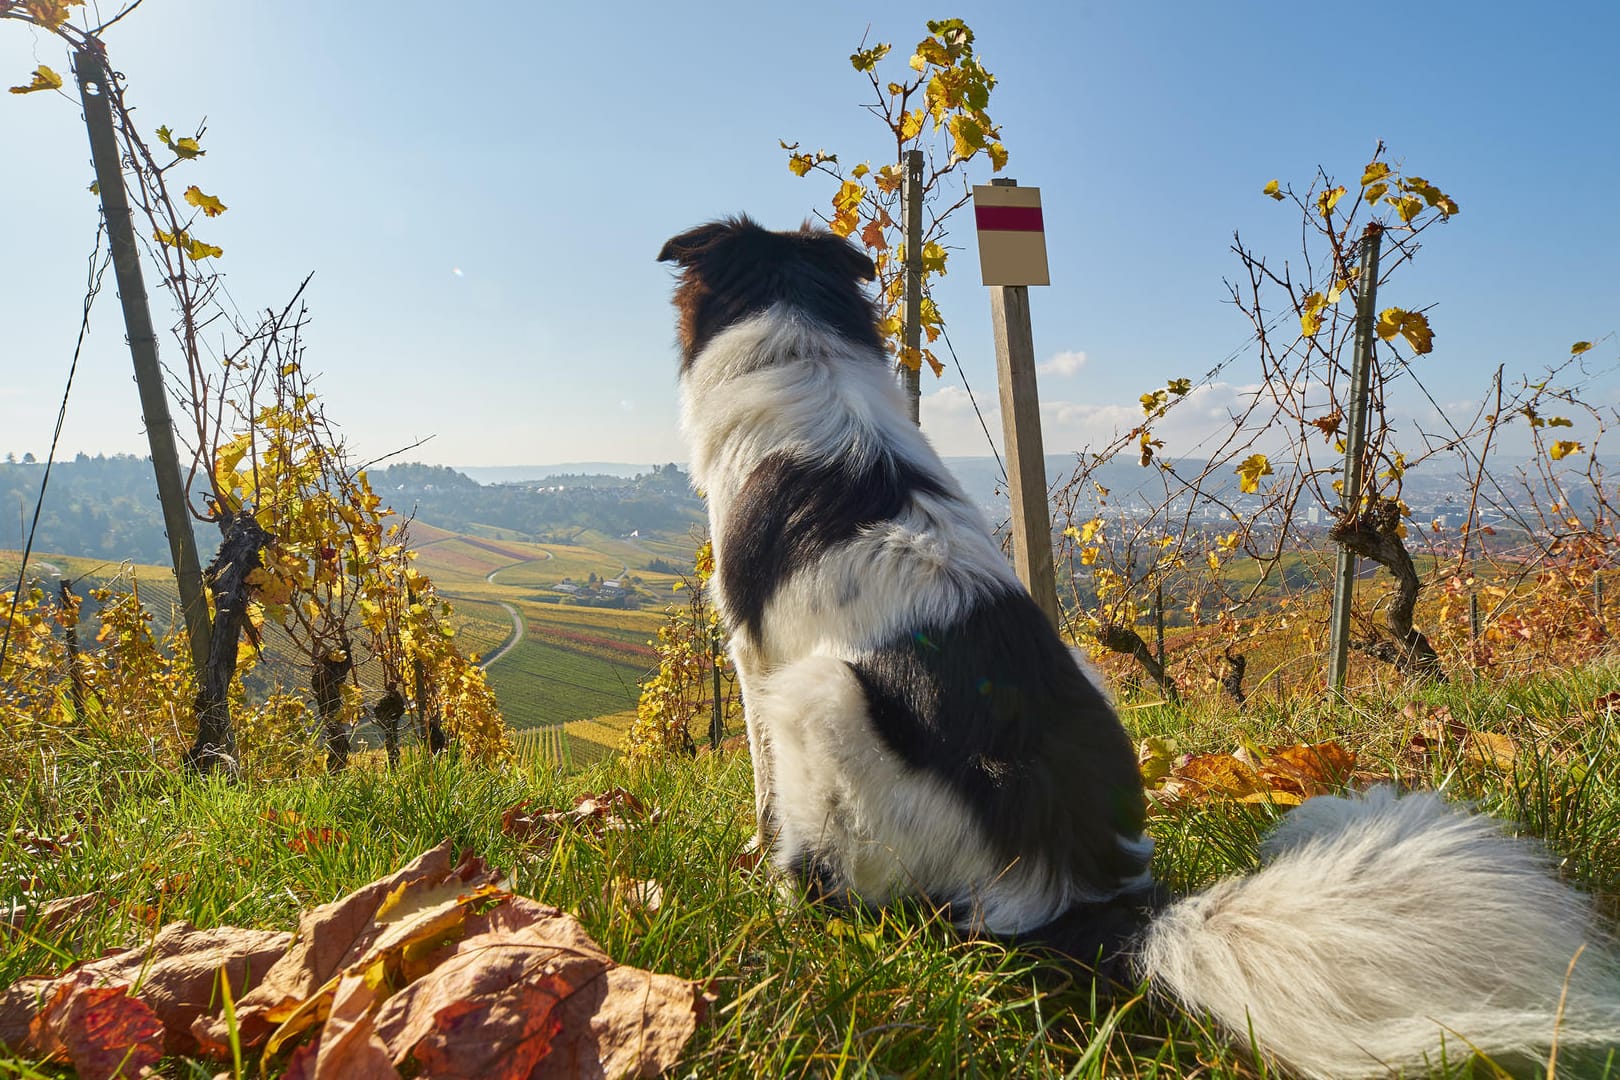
<point>732,269</point>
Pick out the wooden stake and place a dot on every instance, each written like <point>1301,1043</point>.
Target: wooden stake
<point>1021,428</point>
<point>126,259</point>
<point>911,193</point>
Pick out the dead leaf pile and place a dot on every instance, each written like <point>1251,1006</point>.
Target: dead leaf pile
<point>437,969</point>
<point>1281,776</point>
<point>614,810</point>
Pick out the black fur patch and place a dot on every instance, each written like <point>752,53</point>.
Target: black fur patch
<point>995,705</point>
<point>791,512</point>
<point>733,269</point>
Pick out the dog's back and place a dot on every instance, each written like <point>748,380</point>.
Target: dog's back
<point>927,731</point>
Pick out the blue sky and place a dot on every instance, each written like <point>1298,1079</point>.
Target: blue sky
<point>546,151</point>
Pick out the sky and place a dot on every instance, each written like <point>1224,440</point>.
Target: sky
<point>480,200</point>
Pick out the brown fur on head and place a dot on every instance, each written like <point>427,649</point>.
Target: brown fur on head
<point>732,269</point>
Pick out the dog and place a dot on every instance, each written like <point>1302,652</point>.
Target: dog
<point>919,729</point>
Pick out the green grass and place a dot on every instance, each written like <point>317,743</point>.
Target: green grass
<point>801,990</point>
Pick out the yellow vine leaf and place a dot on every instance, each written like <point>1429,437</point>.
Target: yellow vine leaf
<point>846,207</point>
<point>185,148</point>
<point>1374,193</point>
<point>1310,316</point>
<point>1561,449</point>
<point>912,123</point>
<point>1274,189</point>
<point>44,79</point>
<point>1374,172</point>
<point>889,178</point>
<point>867,59</point>
<point>998,157</point>
<point>1407,206</point>
<point>50,14</point>
<point>1579,347</point>
<point>1411,325</point>
<point>1251,470</point>
<point>1328,199</point>
<point>208,204</point>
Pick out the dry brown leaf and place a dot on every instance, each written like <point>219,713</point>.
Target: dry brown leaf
<point>1308,769</point>
<point>625,1022</point>
<point>100,1030</point>
<point>177,974</point>
<point>642,896</point>
<point>329,938</point>
<point>614,810</point>
<point>50,919</point>
<point>348,1047</point>
<point>1491,748</point>
<point>1219,774</point>
<point>488,1010</point>
<point>19,1004</point>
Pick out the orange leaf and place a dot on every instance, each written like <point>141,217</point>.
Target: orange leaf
<point>101,1030</point>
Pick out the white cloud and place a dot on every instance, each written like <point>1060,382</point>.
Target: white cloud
<point>1064,363</point>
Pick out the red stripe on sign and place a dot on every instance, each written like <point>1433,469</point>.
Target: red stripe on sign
<point>1009,218</point>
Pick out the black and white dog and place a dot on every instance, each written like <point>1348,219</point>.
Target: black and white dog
<point>919,729</point>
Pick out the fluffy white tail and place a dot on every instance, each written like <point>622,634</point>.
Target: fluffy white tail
<point>1379,925</point>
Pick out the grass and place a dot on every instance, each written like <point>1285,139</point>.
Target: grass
<point>801,990</point>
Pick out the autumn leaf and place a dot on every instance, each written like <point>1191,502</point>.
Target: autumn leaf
<point>1411,325</point>
<point>1374,172</point>
<point>1579,347</point>
<point>1250,470</point>
<point>1310,314</point>
<point>208,204</point>
<point>44,79</point>
<point>1327,200</point>
<point>846,207</point>
<point>872,235</point>
<point>1274,189</point>
<point>1329,423</point>
<point>1407,206</point>
<point>1561,449</point>
<point>867,59</point>
<point>100,1030</point>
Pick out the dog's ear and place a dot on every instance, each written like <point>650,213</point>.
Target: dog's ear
<point>842,255</point>
<point>691,245</point>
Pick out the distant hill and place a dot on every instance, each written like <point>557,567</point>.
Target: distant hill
<point>107,507</point>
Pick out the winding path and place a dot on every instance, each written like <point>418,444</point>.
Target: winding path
<point>513,613</point>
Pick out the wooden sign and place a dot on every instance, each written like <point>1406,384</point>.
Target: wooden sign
<point>1012,236</point>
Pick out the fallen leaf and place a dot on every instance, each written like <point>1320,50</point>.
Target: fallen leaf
<point>625,1022</point>
<point>50,919</point>
<point>329,938</point>
<point>637,896</point>
<point>19,1004</point>
<point>348,1047</point>
<point>100,1030</point>
<point>1491,748</point>
<point>1219,774</point>
<point>1314,769</point>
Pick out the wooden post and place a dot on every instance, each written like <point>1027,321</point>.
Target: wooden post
<point>1021,430</point>
<point>1344,579</point>
<point>88,67</point>
<point>911,193</point>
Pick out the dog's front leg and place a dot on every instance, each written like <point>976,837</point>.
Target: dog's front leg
<point>743,663</point>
